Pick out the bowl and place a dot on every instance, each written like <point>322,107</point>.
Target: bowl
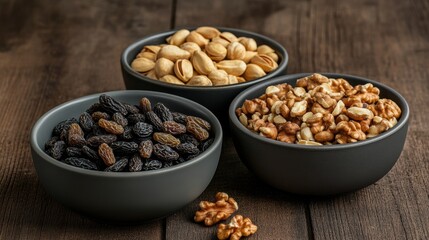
<point>319,170</point>
<point>215,98</point>
<point>124,196</point>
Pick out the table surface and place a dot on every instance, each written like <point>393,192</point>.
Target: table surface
<point>55,51</point>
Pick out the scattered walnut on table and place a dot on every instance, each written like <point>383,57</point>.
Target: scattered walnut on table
<point>237,228</point>
<point>212,213</point>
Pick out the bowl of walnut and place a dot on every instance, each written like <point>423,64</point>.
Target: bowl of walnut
<point>206,64</point>
<point>319,134</point>
<point>126,155</point>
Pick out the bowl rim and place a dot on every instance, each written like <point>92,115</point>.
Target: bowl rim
<point>235,123</point>
<point>216,126</point>
<point>273,43</point>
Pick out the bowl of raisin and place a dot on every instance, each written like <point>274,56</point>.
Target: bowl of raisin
<point>126,155</point>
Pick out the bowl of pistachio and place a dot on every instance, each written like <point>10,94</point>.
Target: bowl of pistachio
<point>206,64</point>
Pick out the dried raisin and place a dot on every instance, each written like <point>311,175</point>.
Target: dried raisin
<point>95,141</point>
<point>179,117</point>
<point>188,138</point>
<point>111,126</point>
<point>155,120</point>
<point>109,104</point>
<point>63,125</point>
<point>120,119</point>
<point>142,129</point>
<point>195,129</point>
<point>166,138</point>
<point>73,152</point>
<point>106,154</point>
<point>206,144</point>
<point>174,128</point>
<point>152,164</point>
<point>75,135</point>
<point>145,105</point>
<point>164,152</point>
<point>135,118</point>
<point>131,108</point>
<point>86,122</point>
<point>203,123</point>
<point>100,115</point>
<point>146,148</point>
<point>81,163</point>
<point>57,150</point>
<point>163,112</point>
<point>90,153</point>
<point>118,166</point>
<point>135,164</point>
<point>187,148</point>
<point>124,148</point>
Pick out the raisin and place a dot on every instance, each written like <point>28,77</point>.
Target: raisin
<point>127,134</point>
<point>81,163</point>
<point>166,138</point>
<point>188,138</point>
<point>164,152</point>
<point>167,164</point>
<point>57,150</point>
<point>142,129</point>
<point>106,154</point>
<point>179,117</point>
<point>195,129</point>
<point>206,144</point>
<point>163,112</point>
<point>63,125</point>
<point>95,141</point>
<point>111,105</point>
<point>174,128</point>
<point>189,157</point>
<point>155,120</point>
<point>97,130</point>
<point>50,143</point>
<point>145,105</point>
<point>100,115</point>
<point>203,123</point>
<point>75,136</point>
<point>146,148</point>
<point>120,119</point>
<point>187,148</point>
<point>131,108</point>
<point>135,164</point>
<point>96,107</point>
<point>152,164</point>
<point>73,152</point>
<point>86,122</point>
<point>89,153</point>
<point>135,118</point>
<point>124,148</point>
<point>111,126</point>
<point>118,166</point>
<point>179,161</point>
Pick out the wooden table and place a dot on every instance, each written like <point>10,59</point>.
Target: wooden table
<point>55,51</point>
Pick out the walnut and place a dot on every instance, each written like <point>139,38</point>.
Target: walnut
<point>351,129</point>
<point>312,81</point>
<point>212,213</point>
<point>386,108</point>
<point>269,131</point>
<point>237,228</point>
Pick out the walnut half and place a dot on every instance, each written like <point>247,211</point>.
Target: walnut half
<point>237,228</point>
<point>212,213</point>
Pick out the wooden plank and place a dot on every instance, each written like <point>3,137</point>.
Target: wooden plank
<point>52,52</point>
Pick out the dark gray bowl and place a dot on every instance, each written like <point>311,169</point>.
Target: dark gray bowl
<point>319,170</point>
<point>215,98</point>
<point>124,196</point>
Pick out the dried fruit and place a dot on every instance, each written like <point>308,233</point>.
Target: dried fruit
<point>120,119</point>
<point>86,122</point>
<point>166,138</point>
<point>75,135</point>
<point>81,163</point>
<point>197,130</point>
<point>164,152</point>
<point>118,166</point>
<point>109,104</point>
<point>146,148</point>
<point>155,120</point>
<point>152,164</point>
<point>163,112</point>
<point>111,126</point>
<point>106,154</point>
<point>95,141</point>
<point>135,164</point>
<point>73,152</point>
<point>124,148</point>
<point>57,150</point>
<point>142,129</point>
<point>187,148</point>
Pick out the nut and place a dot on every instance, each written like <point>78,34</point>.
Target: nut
<point>178,37</point>
<point>233,67</point>
<point>208,32</point>
<point>171,79</point>
<point>219,77</point>
<point>264,49</point>
<point>197,38</point>
<point>237,228</point>
<point>216,51</point>
<point>230,37</point>
<point>249,55</point>
<point>359,114</point>
<point>265,62</point>
<point>183,70</point>
<point>253,71</point>
<point>249,43</point>
<point>142,64</point>
<point>191,47</point>
<point>212,213</point>
<point>163,67</point>
<point>298,109</point>
<point>236,51</point>
<point>173,53</point>
<point>202,63</point>
<point>199,80</point>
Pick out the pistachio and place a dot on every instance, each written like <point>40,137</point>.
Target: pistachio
<point>171,79</point>
<point>190,47</point>
<point>202,63</point>
<point>173,53</point>
<point>274,56</point>
<point>249,55</point>
<point>265,62</point>
<point>179,37</point>
<point>151,74</point>
<point>199,80</point>
<point>240,79</point>
<point>151,48</point>
<point>248,43</point>
<point>183,69</point>
<point>163,66</point>
<point>219,77</point>
<point>230,37</point>
<point>197,38</point>
<point>253,71</point>
<point>142,64</point>
<point>208,32</point>
<point>216,51</point>
<point>233,67</point>
<point>220,40</point>
<point>264,49</point>
<point>232,79</point>
<point>236,51</point>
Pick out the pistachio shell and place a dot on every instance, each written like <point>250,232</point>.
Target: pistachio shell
<point>178,37</point>
<point>241,79</point>
<point>163,66</point>
<point>274,56</point>
<point>171,79</point>
<point>151,74</point>
<point>249,55</point>
<point>190,47</point>
<point>219,77</point>
<point>265,62</point>
<point>142,64</point>
<point>173,53</point>
<point>208,32</point>
<point>236,51</point>
<point>232,79</point>
<point>216,51</point>
<point>264,49</point>
<point>220,40</point>
<point>197,38</point>
<point>202,63</point>
<point>151,48</point>
<point>183,69</point>
<point>199,80</point>
<point>230,37</point>
<point>253,71</point>
<point>249,43</point>
<point>148,55</point>
<point>233,67</point>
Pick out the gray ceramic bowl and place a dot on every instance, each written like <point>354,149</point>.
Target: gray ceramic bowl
<point>215,98</point>
<point>319,170</point>
<point>124,196</point>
